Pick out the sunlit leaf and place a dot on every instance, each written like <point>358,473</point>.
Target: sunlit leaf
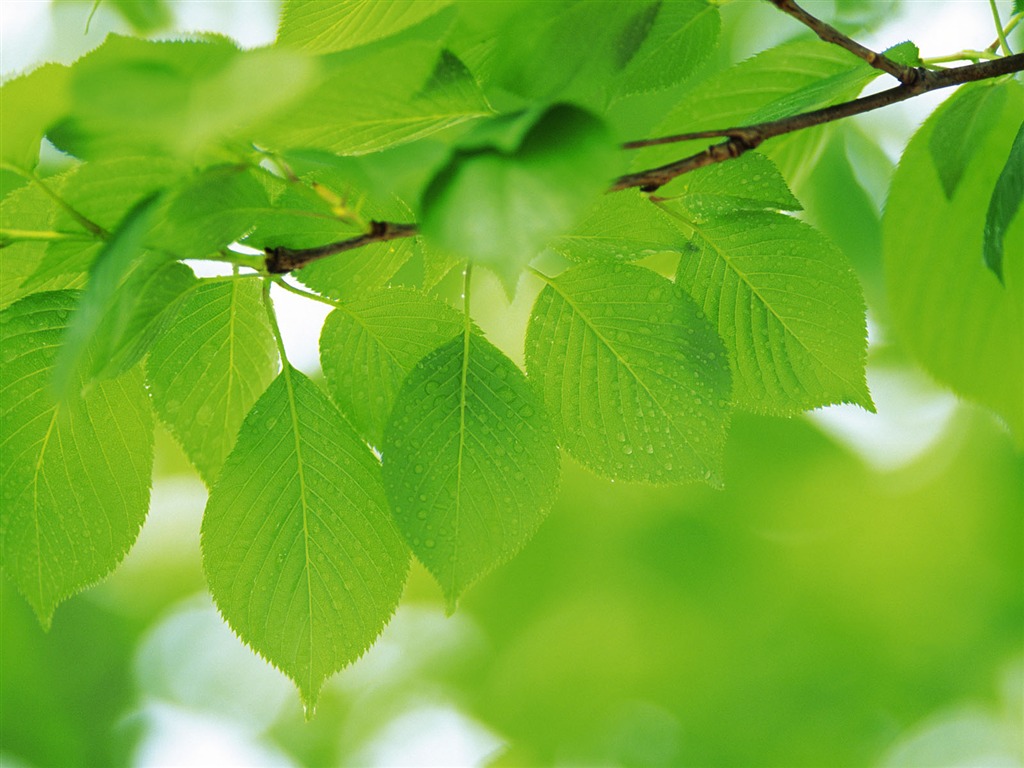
<point>637,379</point>
<point>947,306</point>
<point>75,475</point>
<point>32,103</point>
<point>209,367</point>
<point>1005,203</point>
<point>320,27</point>
<point>369,345</point>
<point>300,552</point>
<point>961,130</point>
<point>470,462</point>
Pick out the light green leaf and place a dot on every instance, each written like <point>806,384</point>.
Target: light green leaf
<point>188,98</point>
<point>499,208</point>
<point>787,305</point>
<point>961,128</point>
<point>947,306</point>
<point>682,35</point>
<point>210,211</point>
<point>750,182</point>
<point>209,367</point>
<point>300,552</point>
<point>319,27</point>
<point>121,255</point>
<point>103,191</point>
<point>622,227</point>
<point>470,462</point>
<point>75,475</point>
<point>32,103</point>
<point>145,16</point>
<point>1006,202</point>
<point>637,379</point>
<point>379,100</point>
<point>27,208</point>
<point>369,345</point>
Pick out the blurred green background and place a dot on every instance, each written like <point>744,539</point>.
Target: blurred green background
<point>854,597</point>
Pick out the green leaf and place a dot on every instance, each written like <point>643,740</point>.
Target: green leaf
<point>622,227</point>
<point>470,462</point>
<point>564,50</point>
<point>187,97</point>
<point>369,345</point>
<point>683,34</point>
<point>209,367</point>
<point>750,182</point>
<point>1005,203</point>
<point>210,211</point>
<point>145,16</point>
<point>300,552</point>
<point>139,312</point>
<point>27,208</point>
<point>318,27</point>
<point>379,100</point>
<point>787,305</point>
<point>103,191</point>
<point>101,300</point>
<point>961,128</point>
<point>32,103</point>
<point>947,307</point>
<point>637,379</point>
<point>499,208</point>
<point>75,475</point>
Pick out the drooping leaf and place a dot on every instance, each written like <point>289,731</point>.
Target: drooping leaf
<point>621,227</point>
<point>379,100</point>
<point>120,256</point>
<point>75,475</point>
<point>637,379</point>
<point>786,303</point>
<point>209,367</point>
<point>318,27</point>
<point>498,207</point>
<point>369,345</point>
<point>961,128</point>
<point>1006,202</point>
<point>300,552</point>
<point>947,306</point>
<point>470,462</point>
<point>32,103</point>
<point>682,34</point>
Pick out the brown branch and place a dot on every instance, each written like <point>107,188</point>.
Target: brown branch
<point>740,140</point>
<point>830,34</point>
<point>281,260</point>
<point>744,138</point>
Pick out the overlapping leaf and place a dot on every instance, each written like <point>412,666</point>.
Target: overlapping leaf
<point>75,476</point>
<point>470,461</point>
<point>300,552</point>
<point>1006,202</point>
<point>961,130</point>
<point>32,103</point>
<point>786,303</point>
<point>369,345</point>
<point>209,367</point>
<point>950,310</point>
<point>635,377</point>
<point>319,27</point>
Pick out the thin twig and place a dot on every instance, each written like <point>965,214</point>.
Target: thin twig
<point>281,260</point>
<point>830,34</point>
<point>1000,32</point>
<point>744,138</point>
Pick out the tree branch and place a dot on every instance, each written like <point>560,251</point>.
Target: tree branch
<point>281,260</point>
<point>744,138</point>
<point>830,34</point>
<point>741,139</point>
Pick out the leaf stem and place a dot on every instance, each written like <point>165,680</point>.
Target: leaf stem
<point>1000,32</point>
<point>306,294</point>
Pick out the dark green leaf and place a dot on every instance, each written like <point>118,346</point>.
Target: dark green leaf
<point>1005,203</point>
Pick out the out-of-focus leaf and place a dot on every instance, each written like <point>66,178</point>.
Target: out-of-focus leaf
<point>319,27</point>
<point>961,129</point>
<point>1005,203</point>
<point>32,103</point>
